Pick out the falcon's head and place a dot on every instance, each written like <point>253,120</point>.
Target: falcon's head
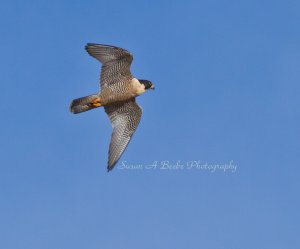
<point>148,84</point>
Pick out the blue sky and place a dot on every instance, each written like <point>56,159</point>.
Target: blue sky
<point>227,88</point>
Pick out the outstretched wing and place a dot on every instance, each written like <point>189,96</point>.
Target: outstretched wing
<point>115,63</point>
<point>125,117</point>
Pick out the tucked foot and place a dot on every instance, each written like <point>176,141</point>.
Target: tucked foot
<point>95,102</point>
<point>85,103</point>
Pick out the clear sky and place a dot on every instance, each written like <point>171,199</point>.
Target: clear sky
<point>227,89</point>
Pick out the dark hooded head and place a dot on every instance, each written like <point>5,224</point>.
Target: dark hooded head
<point>148,84</point>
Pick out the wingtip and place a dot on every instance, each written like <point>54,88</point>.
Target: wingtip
<point>86,47</point>
<point>102,45</point>
<point>111,166</point>
<point>71,107</point>
<point>90,44</point>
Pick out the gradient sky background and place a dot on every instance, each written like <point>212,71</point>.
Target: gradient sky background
<point>227,88</point>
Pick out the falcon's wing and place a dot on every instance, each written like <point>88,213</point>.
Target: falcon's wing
<point>125,117</point>
<point>115,63</point>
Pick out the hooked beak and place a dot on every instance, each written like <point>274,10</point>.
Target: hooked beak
<point>152,87</point>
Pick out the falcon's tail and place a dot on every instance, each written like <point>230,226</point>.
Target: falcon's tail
<point>85,104</point>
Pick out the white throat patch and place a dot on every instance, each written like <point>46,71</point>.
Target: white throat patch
<point>137,86</point>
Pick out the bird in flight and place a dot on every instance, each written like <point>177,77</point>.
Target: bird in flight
<point>117,95</point>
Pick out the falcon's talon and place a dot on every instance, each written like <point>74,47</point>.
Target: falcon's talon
<point>96,102</point>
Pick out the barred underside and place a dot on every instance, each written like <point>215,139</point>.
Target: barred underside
<point>125,118</point>
<point>117,96</point>
<point>115,64</point>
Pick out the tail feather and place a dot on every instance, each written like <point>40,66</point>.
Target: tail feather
<point>85,104</point>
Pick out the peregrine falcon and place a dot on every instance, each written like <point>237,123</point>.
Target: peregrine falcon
<point>117,95</point>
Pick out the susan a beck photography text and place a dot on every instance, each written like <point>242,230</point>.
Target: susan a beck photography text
<point>226,167</point>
